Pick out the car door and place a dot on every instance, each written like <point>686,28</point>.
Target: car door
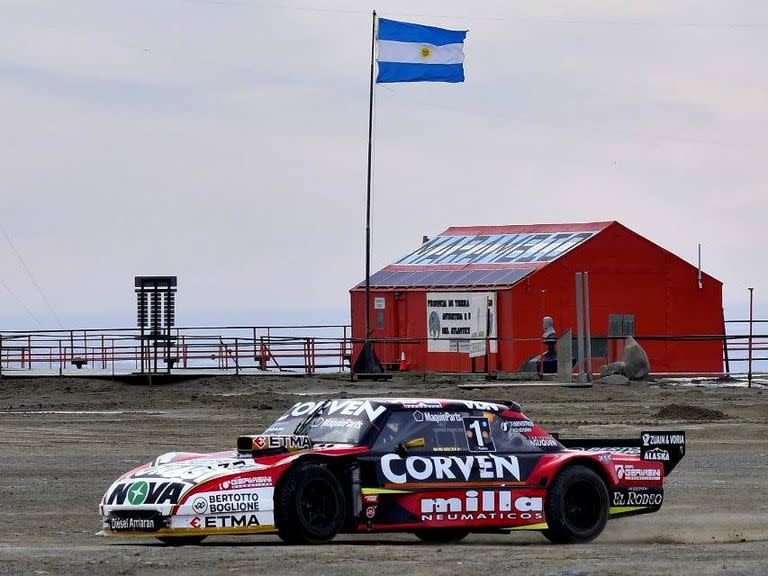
<point>518,440</point>
<point>437,468</point>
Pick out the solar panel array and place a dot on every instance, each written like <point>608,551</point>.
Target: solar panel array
<point>447,278</point>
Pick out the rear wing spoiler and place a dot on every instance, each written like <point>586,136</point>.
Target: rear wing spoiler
<point>657,445</point>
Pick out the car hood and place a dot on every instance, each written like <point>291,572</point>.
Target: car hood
<point>163,483</point>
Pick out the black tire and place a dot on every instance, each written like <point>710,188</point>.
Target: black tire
<point>577,506</point>
<point>309,505</point>
<point>181,540</point>
<point>442,535</point>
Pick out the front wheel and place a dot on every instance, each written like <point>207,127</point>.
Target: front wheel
<point>441,535</point>
<point>309,505</point>
<point>577,506</point>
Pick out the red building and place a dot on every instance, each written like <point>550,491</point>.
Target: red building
<point>505,279</point>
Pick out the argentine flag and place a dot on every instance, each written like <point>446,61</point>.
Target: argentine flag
<point>416,53</point>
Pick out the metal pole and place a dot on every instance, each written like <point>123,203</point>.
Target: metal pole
<point>698,274</point>
<point>749,369</point>
<point>142,298</point>
<point>580,325</point>
<point>725,349</point>
<point>368,190</point>
<point>587,329</point>
<point>237,357</point>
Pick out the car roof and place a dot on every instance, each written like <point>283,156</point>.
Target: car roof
<point>442,403</point>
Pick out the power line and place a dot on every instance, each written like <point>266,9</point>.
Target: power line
<point>31,276</point>
<point>20,303</point>
<point>632,22</point>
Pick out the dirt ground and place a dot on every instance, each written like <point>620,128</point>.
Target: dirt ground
<point>65,440</point>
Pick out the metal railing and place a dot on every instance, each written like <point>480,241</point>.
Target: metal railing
<point>301,348</point>
<point>305,349</point>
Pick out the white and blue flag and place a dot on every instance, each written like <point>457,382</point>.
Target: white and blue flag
<point>416,53</point>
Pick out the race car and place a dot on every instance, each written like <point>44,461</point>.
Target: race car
<point>439,469</point>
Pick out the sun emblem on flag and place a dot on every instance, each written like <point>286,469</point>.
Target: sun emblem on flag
<point>425,52</point>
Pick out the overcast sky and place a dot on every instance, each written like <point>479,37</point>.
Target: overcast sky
<point>224,141</point>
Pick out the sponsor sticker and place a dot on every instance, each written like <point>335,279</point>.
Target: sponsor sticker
<point>243,482</point>
<point>192,471</point>
<point>436,468</point>
<point>667,447</point>
<point>637,497</point>
<point>656,454</point>
<point>228,501</point>
<point>128,524</point>
<point>337,423</point>
<point>142,492</point>
<point>342,407</point>
<point>482,505</point>
<point>289,442</point>
<point>478,432</point>
<point>630,472</point>
<point>232,501</point>
<point>516,426</point>
<point>225,521</point>
<point>438,417</point>
<point>421,404</point>
<point>542,441</point>
<point>663,438</point>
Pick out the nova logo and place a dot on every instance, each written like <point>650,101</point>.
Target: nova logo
<point>485,505</point>
<point>137,493</point>
<point>142,492</point>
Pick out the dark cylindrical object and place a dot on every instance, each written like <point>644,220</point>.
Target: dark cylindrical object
<point>749,368</point>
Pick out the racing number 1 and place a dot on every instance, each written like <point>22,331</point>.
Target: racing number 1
<point>478,432</point>
<point>475,426</point>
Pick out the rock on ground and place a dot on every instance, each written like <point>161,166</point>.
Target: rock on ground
<point>612,368</point>
<point>636,365</point>
<point>614,380</point>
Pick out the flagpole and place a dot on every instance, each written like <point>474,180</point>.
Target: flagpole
<point>368,193</point>
<point>367,362</point>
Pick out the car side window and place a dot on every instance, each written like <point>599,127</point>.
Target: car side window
<point>442,430</point>
<point>510,435</point>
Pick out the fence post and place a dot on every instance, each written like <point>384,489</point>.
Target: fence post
<point>587,328</point>
<point>1,356</point>
<point>749,369</point>
<point>725,350</point>
<point>237,357</point>
<point>580,325</point>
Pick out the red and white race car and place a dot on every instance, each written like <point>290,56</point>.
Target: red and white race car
<point>437,468</point>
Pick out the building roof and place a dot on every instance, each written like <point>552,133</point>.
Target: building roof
<point>479,256</point>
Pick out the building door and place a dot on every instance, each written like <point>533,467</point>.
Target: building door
<point>401,326</point>
<point>619,327</point>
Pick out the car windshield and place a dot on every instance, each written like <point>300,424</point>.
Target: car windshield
<point>329,422</point>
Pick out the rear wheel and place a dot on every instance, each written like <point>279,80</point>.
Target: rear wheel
<point>577,506</point>
<point>309,505</point>
<point>181,540</point>
<point>442,535</point>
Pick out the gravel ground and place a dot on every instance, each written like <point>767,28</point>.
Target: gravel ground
<point>64,440</point>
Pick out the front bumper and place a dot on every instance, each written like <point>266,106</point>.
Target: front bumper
<point>152,523</point>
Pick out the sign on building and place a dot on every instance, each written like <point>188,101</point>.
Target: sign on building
<point>461,322</point>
